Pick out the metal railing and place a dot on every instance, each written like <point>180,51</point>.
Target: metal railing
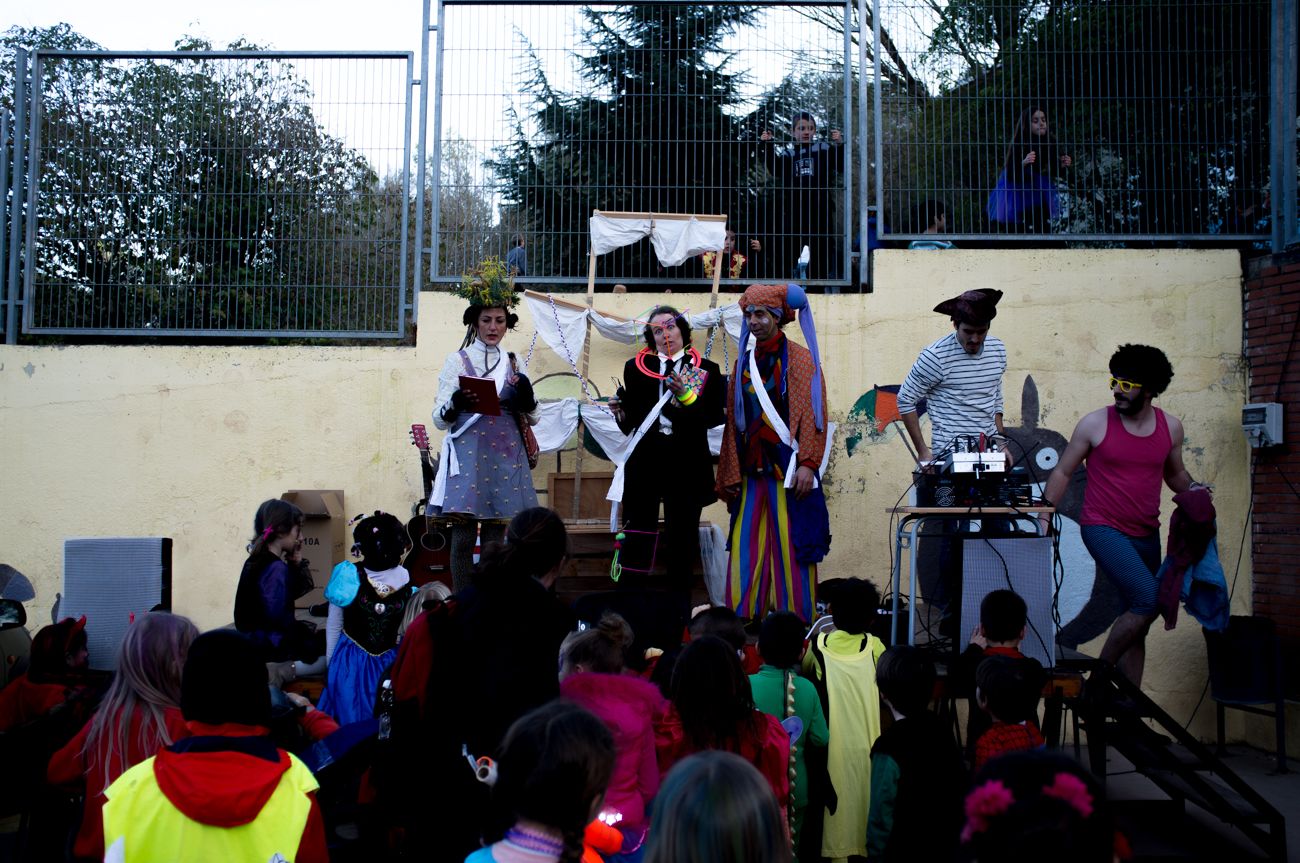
<point>1142,120</point>
<point>218,193</point>
<point>547,112</point>
<point>268,194</point>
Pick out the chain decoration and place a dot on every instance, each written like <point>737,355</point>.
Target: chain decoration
<point>568,354</point>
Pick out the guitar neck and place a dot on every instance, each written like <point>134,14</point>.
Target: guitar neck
<point>426,472</point>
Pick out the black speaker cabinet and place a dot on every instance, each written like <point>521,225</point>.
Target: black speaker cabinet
<point>110,579</point>
<point>1022,564</point>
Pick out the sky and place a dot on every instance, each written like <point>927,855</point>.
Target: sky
<point>482,80</point>
<point>323,25</point>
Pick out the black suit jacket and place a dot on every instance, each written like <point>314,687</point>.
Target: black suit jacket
<point>689,470</point>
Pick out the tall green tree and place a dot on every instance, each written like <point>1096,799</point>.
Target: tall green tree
<point>655,128</point>
<point>1163,109</point>
<point>200,196</point>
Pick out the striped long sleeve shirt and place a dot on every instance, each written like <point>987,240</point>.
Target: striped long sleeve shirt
<point>962,391</point>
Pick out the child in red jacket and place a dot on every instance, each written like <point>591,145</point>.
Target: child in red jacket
<point>1007,690</point>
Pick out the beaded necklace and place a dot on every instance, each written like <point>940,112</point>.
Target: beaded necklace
<point>538,843</point>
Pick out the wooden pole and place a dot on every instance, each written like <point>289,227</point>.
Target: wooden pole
<point>717,281</point>
<point>586,362</point>
<point>565,304</point>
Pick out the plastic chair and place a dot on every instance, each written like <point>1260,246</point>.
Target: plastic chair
<point>1245,672</point>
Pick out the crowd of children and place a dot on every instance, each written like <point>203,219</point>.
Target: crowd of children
<point>490,726</point>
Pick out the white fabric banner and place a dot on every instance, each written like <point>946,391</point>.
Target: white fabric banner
<point>605,430</point>
<point>558,420</point>
<point>564,329</point>
<point>627,332</point>
<point>675,240</point>
<point>556,423</point>
<point>728,317</point>
<point>559,326</point>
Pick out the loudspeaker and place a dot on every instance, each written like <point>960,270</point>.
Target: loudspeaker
<point>1022,564</point>
<point>109,580</point>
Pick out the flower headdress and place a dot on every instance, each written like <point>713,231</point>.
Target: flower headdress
<point>490,284</point>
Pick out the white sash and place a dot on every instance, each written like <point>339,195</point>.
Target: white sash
<point>448,464</point>
<point>779,426</point>
<point>615,493</point>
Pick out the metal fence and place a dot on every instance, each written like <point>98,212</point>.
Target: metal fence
<point>9,231</point>
<point>1125,121</point>
<point>251,193</point>
<point>228,193</point>
<point>548,111</point>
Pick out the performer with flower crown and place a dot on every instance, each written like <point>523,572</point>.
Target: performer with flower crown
<point>678,396</point>
<point>484,469</point>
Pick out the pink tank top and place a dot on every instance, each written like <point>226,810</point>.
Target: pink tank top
<point>1125,473</point>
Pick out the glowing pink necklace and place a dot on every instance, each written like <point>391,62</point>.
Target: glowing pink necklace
<point>696,360</point>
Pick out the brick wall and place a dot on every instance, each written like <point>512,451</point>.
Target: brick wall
<point>1272,318</point>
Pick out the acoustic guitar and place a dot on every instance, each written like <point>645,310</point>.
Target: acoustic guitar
<point>430,556</point>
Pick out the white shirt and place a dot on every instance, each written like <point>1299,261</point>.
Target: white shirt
<point>962,391</point>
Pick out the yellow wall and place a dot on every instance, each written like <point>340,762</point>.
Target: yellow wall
<point>186,441</point>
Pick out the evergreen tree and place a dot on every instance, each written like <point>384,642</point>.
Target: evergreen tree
<point>655,130</point>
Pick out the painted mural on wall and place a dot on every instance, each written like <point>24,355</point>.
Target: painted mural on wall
<point>1087,604</point>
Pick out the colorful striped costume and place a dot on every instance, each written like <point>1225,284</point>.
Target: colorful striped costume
<point>763,572</point>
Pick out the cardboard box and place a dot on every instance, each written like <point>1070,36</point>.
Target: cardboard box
<point>324,530</point>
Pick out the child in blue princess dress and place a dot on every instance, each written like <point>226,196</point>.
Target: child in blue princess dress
<point>368,600</point>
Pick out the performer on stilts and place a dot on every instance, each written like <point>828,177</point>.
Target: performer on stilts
<point>770,466</point>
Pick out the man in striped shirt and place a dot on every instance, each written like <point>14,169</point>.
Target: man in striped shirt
<point>959,376</point>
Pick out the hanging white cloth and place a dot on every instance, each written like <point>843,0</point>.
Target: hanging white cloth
<point>615,493</point>
<point>558,420</point>
<point>628,332</point>
<point>728,317</point>
<point>556,423</point>
<point>604,428</point>
<point>563,328</point>
<point>675,240</point>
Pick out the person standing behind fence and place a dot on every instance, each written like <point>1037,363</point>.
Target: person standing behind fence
<point>517,257</point>
<point>930,217</point>
<point>1025,197</point>
<point>805,173</point>
<point>484,476</point>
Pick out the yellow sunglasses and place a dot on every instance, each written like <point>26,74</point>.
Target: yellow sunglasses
<point>1124,386</point>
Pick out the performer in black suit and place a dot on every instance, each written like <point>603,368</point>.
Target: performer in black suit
<point>672,462</point>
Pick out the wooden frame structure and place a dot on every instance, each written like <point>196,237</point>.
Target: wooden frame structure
<point>591,300</point>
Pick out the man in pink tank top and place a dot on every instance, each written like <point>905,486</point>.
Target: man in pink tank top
<point>1130,448</point>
